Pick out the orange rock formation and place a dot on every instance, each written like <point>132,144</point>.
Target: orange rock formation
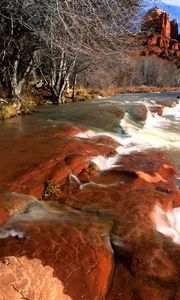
<point>162,35</point>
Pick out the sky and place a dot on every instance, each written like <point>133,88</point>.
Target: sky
<point>172,7</point>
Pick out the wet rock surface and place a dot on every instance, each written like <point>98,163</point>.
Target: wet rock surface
<point>158,109</point>
<point>55,261</point>
<point>138,112</point>
<point>94,235</point>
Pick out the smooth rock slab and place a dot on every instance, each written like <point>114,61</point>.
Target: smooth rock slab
<point>54,261</point>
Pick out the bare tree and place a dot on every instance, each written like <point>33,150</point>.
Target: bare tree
<point>60,33</point>
<point>95,30</point>
<point>18,46</point>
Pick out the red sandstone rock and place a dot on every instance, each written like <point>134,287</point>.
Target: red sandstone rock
<point>165,23</point>
<point>158,109</point>
<point>174,45</point>
<point>69,257</point>
<point>130,287</point>
<point>105,140</point>
<point>158,21</point>
<point>152,40</point>
<point>174,29</point>
<point>4,215</point>
<point>162,35</point>
<point>57,159</point>
<point>53,262</point>
<point>138,112</point>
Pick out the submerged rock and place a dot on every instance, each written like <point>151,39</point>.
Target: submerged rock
<point>158,109</point>
<point>138,112</point>
<point>12,204</point>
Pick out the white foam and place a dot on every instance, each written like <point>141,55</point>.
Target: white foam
<point>92,134</point>
<point>105,163</point>
<point>99,185</point>
<point>11,233</point>
<point>128,126</point>
<point>75,178</point>
<point>172,111</point>
<point>168,222</point>
<point>154,120</point>
<point>155,133</point>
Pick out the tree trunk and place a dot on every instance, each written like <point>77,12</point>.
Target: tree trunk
<point>66,77</point>
<point>15,83</point>
<point>74,95</point>
<point>15,88</point>
<point>16,91</point>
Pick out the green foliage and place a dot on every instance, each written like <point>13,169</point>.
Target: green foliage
<point>7,111</point>
<point>51,189</point>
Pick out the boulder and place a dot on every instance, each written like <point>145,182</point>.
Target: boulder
<point>55,261</point>
<point>158,109</point>
<point>138,112</point>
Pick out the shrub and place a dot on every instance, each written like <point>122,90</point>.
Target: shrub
<point>51,189</point>
<point>29,104</point>
<point>83,94</point>
<point>7,111</point>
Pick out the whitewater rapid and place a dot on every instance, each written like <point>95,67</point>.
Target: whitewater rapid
<point>160,132</point>
<point>155,132</point>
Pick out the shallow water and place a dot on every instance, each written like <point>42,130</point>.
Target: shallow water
<point>102,115</point>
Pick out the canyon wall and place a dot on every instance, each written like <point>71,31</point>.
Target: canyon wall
<point>161,36</point>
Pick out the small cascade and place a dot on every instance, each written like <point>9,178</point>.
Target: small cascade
<point>105,163</point>
<point>168,222</point>
<point>75,178</point>
<point>98,185</point>
<point>86,135</point>
<point>154,120</point>
<point>89,134</point>
<point>155,133</point>
<point>128,126</point>
<point>172,112</point>
<point>16,203</point>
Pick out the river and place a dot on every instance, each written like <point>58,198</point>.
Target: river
<point>89,200</point>
<point>102,115</point>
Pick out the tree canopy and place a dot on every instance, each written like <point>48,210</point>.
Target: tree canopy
<point>57,37</point>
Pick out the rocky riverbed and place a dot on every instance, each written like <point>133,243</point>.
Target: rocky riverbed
<point>90,214</point>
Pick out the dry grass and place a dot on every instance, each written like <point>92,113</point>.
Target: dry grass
<point>133,89</point>
<point>87,94</point>
<point>83,94</point>
<point>7,111</point>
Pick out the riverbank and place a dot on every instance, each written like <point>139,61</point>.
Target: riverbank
<point>132,90</point>
<point>32,100</point>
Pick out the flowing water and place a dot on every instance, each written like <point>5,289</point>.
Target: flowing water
<point>107,116</point>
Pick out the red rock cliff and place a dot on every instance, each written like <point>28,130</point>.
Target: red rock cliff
<point>174,29</point>
<point>161,35</point>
